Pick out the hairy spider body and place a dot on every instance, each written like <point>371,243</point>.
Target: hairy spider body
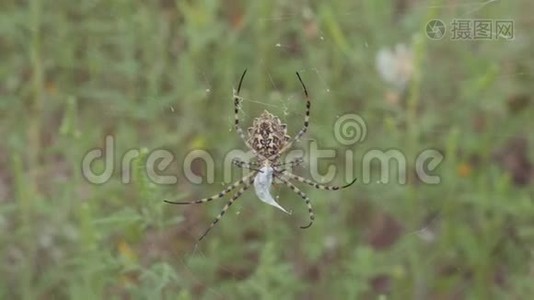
<point>268,139</point>
<point>267,135</point>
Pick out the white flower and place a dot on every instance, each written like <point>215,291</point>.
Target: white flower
<point>395,66</point>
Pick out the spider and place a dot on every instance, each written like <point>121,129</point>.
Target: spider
<point>268,140</point>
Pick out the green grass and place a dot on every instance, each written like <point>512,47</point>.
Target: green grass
<point>159,75</point>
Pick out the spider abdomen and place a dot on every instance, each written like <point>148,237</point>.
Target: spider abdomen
<point>268,134</point>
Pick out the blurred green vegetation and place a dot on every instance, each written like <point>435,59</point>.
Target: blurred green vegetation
<point>159,75</point>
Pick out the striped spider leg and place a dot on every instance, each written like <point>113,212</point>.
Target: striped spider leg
<point>315,184</point>
<point>238,129</point>
<point>246,181</point>
<point>302,131</point>
<point>280,175</point>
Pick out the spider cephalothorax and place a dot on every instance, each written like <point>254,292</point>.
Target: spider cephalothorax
<point>267,135</point>
<point>268,139</point>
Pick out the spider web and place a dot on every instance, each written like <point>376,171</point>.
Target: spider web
<point>289,105</point>
<point>287,102</point>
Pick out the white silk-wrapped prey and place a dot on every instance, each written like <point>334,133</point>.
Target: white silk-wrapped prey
<point>262,185</point>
